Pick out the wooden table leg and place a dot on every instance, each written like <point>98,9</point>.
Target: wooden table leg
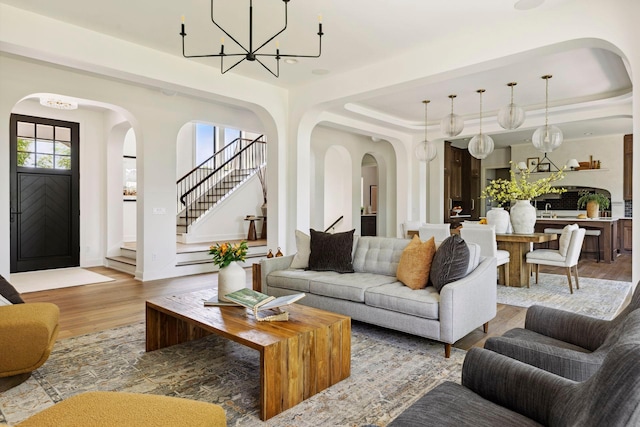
<point>252,230</point>
<point>518,271</point>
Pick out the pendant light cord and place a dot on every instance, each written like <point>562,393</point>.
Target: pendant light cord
<point>426,103</point>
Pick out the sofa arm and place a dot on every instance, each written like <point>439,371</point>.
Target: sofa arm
<point>268,265</point>
<point>583,331</point>
<point>469,302</point>
<point>27,334</point>
<point>512,384</point>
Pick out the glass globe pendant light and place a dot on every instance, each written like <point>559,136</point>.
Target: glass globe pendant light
<point>480,145</point>
<point>511,116</point>
<point>452,124</point>
<point>548,137</point>
<point>425,151</point>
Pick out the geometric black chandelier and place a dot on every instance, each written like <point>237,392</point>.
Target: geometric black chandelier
<point>251,54</point>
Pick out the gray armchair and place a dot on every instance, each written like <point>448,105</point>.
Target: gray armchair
<point>567,344</point>
<point>499,391</point>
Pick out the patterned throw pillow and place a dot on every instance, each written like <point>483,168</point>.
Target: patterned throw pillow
<point>450,262</point>
<point>9,292</point>
<point>331,252</point>
<point>415,263</point>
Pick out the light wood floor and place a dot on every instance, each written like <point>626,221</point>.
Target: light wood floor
<point>91,308</point>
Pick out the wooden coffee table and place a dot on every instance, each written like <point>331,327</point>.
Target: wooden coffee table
<point>298,358</point>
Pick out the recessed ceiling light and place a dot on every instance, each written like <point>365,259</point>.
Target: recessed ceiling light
<point>291,61</point>
<point>527,4</point>
<point>588,133</point>
<point>59,103</point>
<point>320,72</point>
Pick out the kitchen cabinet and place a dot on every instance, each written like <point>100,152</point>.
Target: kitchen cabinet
<point>625,235</point>
<point>368,225</point>
<point>461,182</point>
<point>628,168</point>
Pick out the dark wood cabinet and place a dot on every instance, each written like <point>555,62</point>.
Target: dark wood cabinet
<point>626,236</point>
<point>461,182</point>
<point>627,186</point>
<point>368,225</point>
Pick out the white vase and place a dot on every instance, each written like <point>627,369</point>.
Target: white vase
<point>230,279</point>
<point>523,217</point>
<point>499,219</point>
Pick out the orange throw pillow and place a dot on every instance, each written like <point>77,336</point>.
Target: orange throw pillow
<point>415,263</point>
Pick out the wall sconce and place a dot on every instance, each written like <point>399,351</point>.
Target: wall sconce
<point>573,164</point>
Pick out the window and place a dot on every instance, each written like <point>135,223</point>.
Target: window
<point>205,142</point>
<point>231,135</point>
<point>43,146</point>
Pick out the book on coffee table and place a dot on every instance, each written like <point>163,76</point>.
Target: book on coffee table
<point>257,301</point>
<point>214,302</point>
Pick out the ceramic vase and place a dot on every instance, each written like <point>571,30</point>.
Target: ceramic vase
<point>230,279</point>
<point>593,209</point>
<point>523,217</point>
<point>499,219</point>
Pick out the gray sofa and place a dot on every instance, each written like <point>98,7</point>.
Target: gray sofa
<point>373,294</point>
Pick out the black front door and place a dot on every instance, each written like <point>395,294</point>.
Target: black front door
<point>45,212</point>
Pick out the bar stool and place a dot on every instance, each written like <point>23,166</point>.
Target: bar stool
<point>596,234</point>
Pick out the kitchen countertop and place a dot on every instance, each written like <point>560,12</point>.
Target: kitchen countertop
<point>574,219</point>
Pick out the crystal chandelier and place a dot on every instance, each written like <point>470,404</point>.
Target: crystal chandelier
<point>480,145</point>
<point>511,116</point>
<point>452,124</point>
<point>425,151</point>
<point>251,53</point>
<point>548,137</point>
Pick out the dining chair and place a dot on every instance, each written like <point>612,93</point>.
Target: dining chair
<point>438,231</point>
<point>485,237</point>
<point>566,255</point>
<point>410,225</point>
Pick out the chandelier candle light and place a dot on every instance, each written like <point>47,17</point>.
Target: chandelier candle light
<point>426,150</point>
<point>251,54</point>
<point>480,145</point>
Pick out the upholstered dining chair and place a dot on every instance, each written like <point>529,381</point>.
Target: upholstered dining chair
<point>561,342</point>
<point>497,390</point>
<point>438,231</point>
<point>485,237</point>
<point>410,225</point>
<point>567,255</point>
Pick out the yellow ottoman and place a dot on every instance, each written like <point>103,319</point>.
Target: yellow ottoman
<point>103,408</point>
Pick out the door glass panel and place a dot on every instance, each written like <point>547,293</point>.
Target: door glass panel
<point>63,148</point>
<point>44,161</point>
<point>63,134</point>
<point>26,144</point>
<point>27,160</point>
<point>63,162</point>
<point>44,131</point>
<point>26,129</point>
<point>44,147</point>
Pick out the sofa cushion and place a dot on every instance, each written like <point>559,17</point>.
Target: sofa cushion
<point>331,252</point>
<point>379,255</point>
<point>347,286</point>
<point>415,262</point>
<point>397,297</point>
<point>9,292</point>
<point>293,279</point>
<point>450,262</point>
<point>303,250</point>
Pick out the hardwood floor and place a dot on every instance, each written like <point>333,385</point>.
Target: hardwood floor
<point>91,308</point>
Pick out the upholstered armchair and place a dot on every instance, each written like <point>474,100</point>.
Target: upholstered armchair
<point>28,332</point>
<point>500,391</point>
<point>564,343</point>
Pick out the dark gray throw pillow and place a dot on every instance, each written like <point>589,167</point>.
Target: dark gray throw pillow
<point>9,292</point>
<point>331,252</point>
<point>450,262</point>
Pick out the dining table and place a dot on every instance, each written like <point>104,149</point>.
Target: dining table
<point>518,245</point>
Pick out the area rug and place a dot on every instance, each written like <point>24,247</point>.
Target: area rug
<point>33,281</point>
<point>389,371</point>
<point>596,297</point>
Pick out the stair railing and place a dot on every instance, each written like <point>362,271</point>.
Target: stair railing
<point>240,155</point>
<point>334,223</point>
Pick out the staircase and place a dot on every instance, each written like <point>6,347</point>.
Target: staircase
<point>213,180</point>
